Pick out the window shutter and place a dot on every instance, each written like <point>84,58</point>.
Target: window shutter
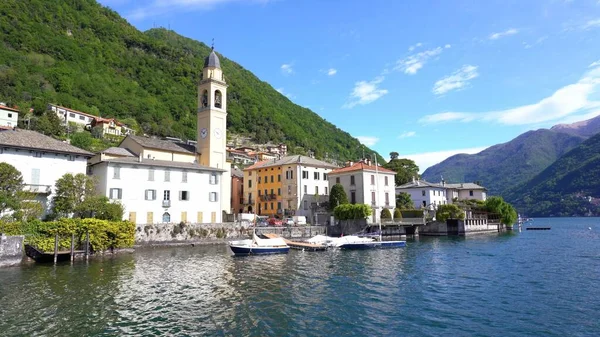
<point>120,193</point>
<point>180,195</point>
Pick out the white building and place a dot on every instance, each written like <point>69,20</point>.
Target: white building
<point>8,116</point>
<point>430,195</point>
<point>159,191</point>
<point>168,180</point>
<point>367,184</point>
<point>41,160</point>
<point>67,115</point>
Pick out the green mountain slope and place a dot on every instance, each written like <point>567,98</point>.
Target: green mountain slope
<point>81,55</point>
<point>564,187</point>
<point>506,165</point>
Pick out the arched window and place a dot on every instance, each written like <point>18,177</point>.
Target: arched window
<point>205,99</point>
<point>217,99</point>
<point>166,217</point>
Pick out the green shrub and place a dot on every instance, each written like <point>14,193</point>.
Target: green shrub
<point>386,214</point>
<point>397,213</point>
<point>412,213</point>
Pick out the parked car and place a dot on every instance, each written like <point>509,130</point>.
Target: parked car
<point>275,222</point>
<point>289,222</point>
<point>300,220</point>
<point>262,221</point>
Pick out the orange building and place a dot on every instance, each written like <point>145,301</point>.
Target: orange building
<point>237,190</point>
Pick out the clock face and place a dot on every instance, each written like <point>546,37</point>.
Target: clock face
<point>217,133</point>
<point>203,133</point>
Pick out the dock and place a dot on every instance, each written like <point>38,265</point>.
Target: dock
<point>538,228</point>
<point>299,245</point>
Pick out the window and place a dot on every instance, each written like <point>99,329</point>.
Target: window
<point>372,179</point>
<point>71,158</point>
<point>304,174</point>
<point>386,181</point>
<point>167,195</point>
<point>387,199</point>
<point>271,191</point>
<point>217,99</point>
<point>184,195</point>
<point>149,217</point>
<point>150,174</point>
<point>214,179</point>
<point>249,183</point>
<point>272,179</point>
<point>287,175</point>
<point>324,176</point>
<point>289,189</point>
<point>291,174</point>
<point>305,189</point>
<point>115,193</point>
<point>266,206</point>
<point>326,190</point>
<point>279,178</point>
<point>337,180</point>
<point>266,191</point>
<point>272,208</point>
<point>37,154</point>
<point>72,115</point>
<point>279,191</point>
<point>213,197</point>
<point>423,193</point>
<point>316,175</point>
<point>166,217</point>
<point>150,194</point>
<point>184,177</point>
<point>278,205</point>
<point>373,198</point>
<point>305,204</point>
<point>351,180</point>
<point>167,175</point>
<point>259,178</point>
<point>9,115</point>
<point>353,197</point>
<point>316,190</point>
<point>82,118</point>
<point>116,172</point>
<point>470,193</point>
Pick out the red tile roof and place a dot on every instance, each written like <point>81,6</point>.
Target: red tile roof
<point>257,165</point>
<point>360,166</point>
<point>4,107</point>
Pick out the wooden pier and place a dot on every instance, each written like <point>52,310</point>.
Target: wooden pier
<point>58,256</point>
<point>538,228</point>
<point>299,245</point>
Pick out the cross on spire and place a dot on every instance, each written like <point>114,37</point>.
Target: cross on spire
<point>213,44</point>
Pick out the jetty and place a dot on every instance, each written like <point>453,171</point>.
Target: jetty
<point>299,245</point>
<point>538,228</point>
<point>58,256</point>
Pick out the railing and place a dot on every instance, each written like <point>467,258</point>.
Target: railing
<point>166,203</point>
<point>268,197</point>
<point>37,188</point>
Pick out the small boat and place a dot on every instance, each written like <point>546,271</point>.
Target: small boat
<point>258,246</point>
<point>373,244</point>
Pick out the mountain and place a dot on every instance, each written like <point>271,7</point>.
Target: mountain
<point>587,128</point>
<point>79,54</point>
<point>570,186</point>
<point>506,165</point>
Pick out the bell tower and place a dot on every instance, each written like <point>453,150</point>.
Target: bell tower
<point>212,114</point>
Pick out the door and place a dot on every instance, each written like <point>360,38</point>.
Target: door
<point>149,218</point>
<point>132,217</point>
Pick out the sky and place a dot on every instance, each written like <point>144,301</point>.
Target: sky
<point>426,79</point>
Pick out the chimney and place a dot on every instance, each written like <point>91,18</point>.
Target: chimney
<point>413,178</point>
<point>140,157</point>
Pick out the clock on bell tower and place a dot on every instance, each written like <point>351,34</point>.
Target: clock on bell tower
<point>212,114</point>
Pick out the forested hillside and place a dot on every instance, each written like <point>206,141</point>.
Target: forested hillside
<point>506,165</point>
<point>79,54</point>
<point>570,186</point>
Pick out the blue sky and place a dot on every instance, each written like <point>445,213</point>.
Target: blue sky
<point>427,79</point>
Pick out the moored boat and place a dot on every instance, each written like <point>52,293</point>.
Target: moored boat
<point>258,246</point>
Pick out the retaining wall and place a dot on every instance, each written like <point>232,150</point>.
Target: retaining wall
<point>11,250</point>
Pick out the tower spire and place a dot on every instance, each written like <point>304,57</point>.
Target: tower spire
<point>212,46</point>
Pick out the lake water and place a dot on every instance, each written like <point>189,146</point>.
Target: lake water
<point>533,283</point>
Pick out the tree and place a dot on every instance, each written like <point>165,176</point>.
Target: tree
<point>403,201</point>
<point>449,211</point>
<point>352,211</point>
<point>82,140</point>
<point>405,170</point>
<point>386,214</point>
<point>337,196</point>
<point>394,155</point>
<point>71,190</point>
<point>397,214</point>
<point>49,124</point>
<point>11,184</point>
<point>508,214</point>
<point>99,207</point>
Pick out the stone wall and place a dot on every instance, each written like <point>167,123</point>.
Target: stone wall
<point>11,250</point>
<point>177,234</point>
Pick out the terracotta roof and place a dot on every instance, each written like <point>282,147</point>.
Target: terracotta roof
<point>163,144</point>
<point>4,107</point>
<point>256,165</point>
<point>360,166</point>
<point>161,163</point>
<point>296,159</point>
<point>27,139</point>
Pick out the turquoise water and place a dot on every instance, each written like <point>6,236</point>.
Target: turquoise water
<point>533,283</point>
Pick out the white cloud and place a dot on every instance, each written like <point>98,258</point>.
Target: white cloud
<point>508,32</point>
<point>287,68</point>
<point>286,94</point>
<point>368,140</point>
<point>459,79</point>
<point>413,47</point>
<point>411,64</point>
<point>366,92</point>
<point>160,7</point>
<point>594,64</point>
<point>407,134</point>
<point>569,100</point>
<point>331,71</point>
<point>591,24</point>
<point>427,159</point>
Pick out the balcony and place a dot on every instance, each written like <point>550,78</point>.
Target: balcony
<point>268,197</point>
<point>166,203</point>
<point>42,189</point>
<point>248,202</point>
